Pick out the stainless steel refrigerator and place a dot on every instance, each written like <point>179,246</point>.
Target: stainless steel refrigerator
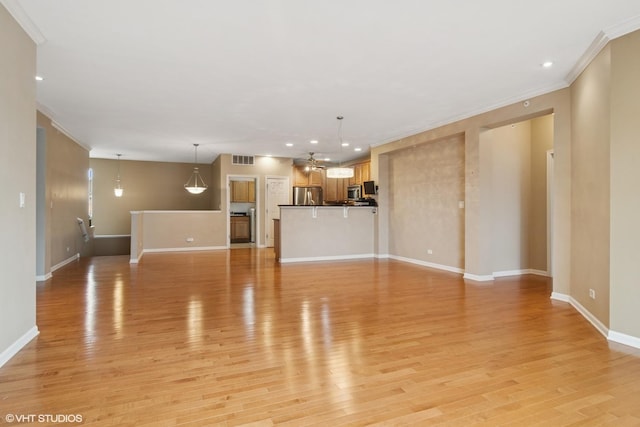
<point>307,196</point>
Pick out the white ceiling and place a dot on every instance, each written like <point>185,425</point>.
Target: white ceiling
<point>149,78</point>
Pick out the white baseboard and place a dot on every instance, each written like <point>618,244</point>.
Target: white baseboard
<point>189,249</point>
<point>14,348</point>
<point>560,297</point>
<point>610,335</point>
<point>186,249</point>
<point>325,258</point>
<point>590,317</point>
<point>44,277</point>
<point>625,339</point>
<point>136,260</point>
<point>65,262</point>
<point>477,278</point>
<point>427,264</point>
<point>520,272</point>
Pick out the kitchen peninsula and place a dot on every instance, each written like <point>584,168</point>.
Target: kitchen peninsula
<point>319,233</point>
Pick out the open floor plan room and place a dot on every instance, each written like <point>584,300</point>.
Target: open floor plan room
<point>231,337</point>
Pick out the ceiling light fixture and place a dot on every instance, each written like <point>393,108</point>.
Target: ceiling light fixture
<point>547,64</point>
<point>118,190</point>
<point>39,78</point>
<point>313,141</point>
<point>196,184</point>
<point>340,172</point>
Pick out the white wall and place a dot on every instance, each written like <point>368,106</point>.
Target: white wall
<point>17,173</point>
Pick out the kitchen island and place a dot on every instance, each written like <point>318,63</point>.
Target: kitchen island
<point>320,233</point>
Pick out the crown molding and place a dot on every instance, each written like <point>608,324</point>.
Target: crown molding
<point>589,55</point>
<point>505,102</point>
<point>605,36</point>
<point>625,27</point>
<point>21,17</point>
<point>66,133</point>
<point>51,116</point>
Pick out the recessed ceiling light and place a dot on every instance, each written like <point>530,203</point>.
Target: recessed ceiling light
<point>326,159</point>
<point>289,144</point>
<point>39,78</point>
<point>357,149</point>
<point>547,64</point>
<point>345,144</point>
<point>314,141</point>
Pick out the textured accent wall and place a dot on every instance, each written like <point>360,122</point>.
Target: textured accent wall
<point>426,184</point>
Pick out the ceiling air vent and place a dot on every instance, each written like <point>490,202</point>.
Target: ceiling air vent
<point>242,160</point>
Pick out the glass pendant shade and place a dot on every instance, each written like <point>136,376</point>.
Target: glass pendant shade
<point>196,184</point>
<point>118,190</point>
<point>340,173</point>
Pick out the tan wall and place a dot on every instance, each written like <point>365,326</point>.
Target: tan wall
<point>147,186</point>
<point>541,142</point>
<point>216,184</point>
<point>17,173</point>
<point>509,195</point>
<point>183,230</point>
<point>590,186</point>
<point>478,261</point>
<point>66,195</point>
<point>625,177</point>
<point>264,167</point>
<point>426,184</point>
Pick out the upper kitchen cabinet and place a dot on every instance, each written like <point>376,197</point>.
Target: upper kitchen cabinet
<point>243,191</point>
<point>303,178</point>
<point>361,173</point>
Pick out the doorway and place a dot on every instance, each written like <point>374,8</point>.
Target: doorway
<point>242,205</point>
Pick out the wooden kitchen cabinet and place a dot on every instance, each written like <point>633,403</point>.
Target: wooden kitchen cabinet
<point>361,173</point>
<point>303,178</point>
<point>243,191</point>
<point>336,189</point>
<point>240,229</point>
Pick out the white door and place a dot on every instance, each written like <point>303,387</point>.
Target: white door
<point>277,194</point>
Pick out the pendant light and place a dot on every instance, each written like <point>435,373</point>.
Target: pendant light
<point>340,172</point>
<point>118,190</point>
<point>196,184</point>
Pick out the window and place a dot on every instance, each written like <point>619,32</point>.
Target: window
<point>90,195</point>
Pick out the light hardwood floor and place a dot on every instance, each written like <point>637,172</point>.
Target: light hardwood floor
<point>231,338</point>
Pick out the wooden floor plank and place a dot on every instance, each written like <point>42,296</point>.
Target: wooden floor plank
<point>234,338</point>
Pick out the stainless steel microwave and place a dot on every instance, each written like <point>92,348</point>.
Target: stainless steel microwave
<point>354,192</point>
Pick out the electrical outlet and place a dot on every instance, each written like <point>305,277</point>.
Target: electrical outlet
<point>429,251</point>
<point>592,294</point>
